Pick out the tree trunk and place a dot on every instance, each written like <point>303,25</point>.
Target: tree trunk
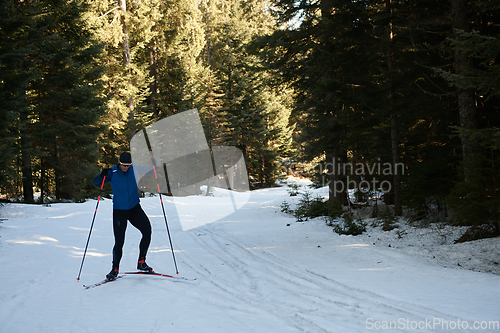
<point>466,97</point>
<point>126,62</point>
<point>42,180</point>
<point>57,171</point>
<point>394,116</point>
<point>337,186</point>
<point>261,170</point>
<point>398,209</point>
<point>27,174</point>
<point>153,72</point>
<point>335,155</point>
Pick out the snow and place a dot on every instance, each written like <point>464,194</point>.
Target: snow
<point>256,270</point>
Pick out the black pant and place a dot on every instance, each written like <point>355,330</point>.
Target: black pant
<point>138,219</point>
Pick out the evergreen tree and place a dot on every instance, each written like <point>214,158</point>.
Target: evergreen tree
<point>127,28</point>
<point>19,42</point>
<point>319,50</point>
<point>251,115</point>
<point>358,69</point>
<point>54,84</point>
<point>181,69</point>
<point>410,35</point>
<point>475,47</point>
<point>68,105</point>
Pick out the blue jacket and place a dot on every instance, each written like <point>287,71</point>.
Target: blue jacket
<point>125,191</point>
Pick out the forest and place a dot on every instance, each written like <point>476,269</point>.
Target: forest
<point>396,96</point>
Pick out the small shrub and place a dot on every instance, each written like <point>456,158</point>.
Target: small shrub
<point>285,208</point>
<point>361,196</point>
<point>317,207</point>
<point>293,190</point>
<point>479,232</point>
<point>316,184</point>
<point>387,219</point>
<point>300,214</point>
<point>401,233</point>
<point>302,210</point>
<point>349,226</point>
<point>309,208</point>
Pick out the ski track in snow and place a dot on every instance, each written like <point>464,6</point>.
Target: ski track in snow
<point>242,286</point>
<point>303,299</point>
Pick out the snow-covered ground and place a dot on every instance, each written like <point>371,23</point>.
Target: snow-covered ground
<point>434,242</point>
<point>256,270</point>
<point>436,245</point>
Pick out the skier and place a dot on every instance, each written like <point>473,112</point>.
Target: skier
<point>126,207</point>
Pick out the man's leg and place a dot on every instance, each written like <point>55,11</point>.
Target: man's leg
<point>140,220</point>
<point>119,228</point>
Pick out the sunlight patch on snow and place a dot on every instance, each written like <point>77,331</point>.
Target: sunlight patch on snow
<point>40,240</point>
<point>261,248</point>
<point>79,254</point>
<point>208,209</point>
<point>375,269</point>
<point>13,214</point>
<point>46,238</point>
<point>163,249</point>
<point>353,245</point>
<point>70,247</point>
<point>66,216</point>
<point>272,207</point>
<point>25,242</point>
<point>80,229</point>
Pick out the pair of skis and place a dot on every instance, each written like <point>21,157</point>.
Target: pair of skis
<point>137,273</point>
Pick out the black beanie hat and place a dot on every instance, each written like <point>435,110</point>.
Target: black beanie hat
<point>125,158</point>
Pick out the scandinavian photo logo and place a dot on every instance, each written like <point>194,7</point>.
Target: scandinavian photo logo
<point>362,176</point>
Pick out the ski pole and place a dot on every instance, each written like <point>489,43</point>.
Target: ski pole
<point>164,215</point>
<point>91,226</point>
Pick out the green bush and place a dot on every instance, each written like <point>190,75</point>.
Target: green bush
<point>349,226</point>
<point>309,207</point>
<point>293,190</point>
<point>285,208</point>
<point>387,219</point>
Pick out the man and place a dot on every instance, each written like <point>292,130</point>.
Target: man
<point>126,207</point>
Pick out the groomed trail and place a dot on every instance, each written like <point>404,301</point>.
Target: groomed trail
<point>256,270</point>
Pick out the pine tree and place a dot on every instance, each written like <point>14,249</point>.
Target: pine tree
<point>68,105</point>
<point>19,42</point>
<point>127,28</point>
<point>251,115</point>
<point>318,50</point>
<point>358,69</point>
<point>181,70</point>
<point>54,83</point>
<point>475,49</point>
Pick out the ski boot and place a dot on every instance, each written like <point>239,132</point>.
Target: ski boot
<point>113,274</point>
<point>141,265</point>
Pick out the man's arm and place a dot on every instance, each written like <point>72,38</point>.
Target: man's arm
<point>104,173</point>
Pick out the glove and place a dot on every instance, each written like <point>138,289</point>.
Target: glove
<point>104,172</point>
